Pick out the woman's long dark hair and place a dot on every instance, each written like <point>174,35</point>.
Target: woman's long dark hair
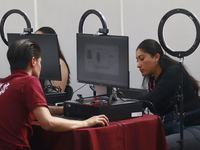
<point>52,31</point>
<point>152,47</point>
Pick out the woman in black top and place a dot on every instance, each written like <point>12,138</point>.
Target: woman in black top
<point>161,76</point>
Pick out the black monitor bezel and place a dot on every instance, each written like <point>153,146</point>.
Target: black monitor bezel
<point>104,38</point>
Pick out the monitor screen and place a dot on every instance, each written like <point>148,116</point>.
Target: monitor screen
<point>103,60</point>
<point>49,53</point>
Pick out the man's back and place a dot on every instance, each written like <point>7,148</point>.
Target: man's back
<point>20,93</point>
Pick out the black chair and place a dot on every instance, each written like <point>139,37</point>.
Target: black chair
<point>69,92</point>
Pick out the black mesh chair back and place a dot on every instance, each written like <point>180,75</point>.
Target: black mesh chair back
<point>69,92</point>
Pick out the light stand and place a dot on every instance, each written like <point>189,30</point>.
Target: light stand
<point>27,30</point>
<point>179,54</point>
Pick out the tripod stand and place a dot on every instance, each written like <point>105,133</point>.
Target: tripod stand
<point>179,54</point>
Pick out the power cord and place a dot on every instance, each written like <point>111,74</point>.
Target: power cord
<point>79,88</point>
<point>120,94</point>
<point>51,88</point>
<point>120,124</point>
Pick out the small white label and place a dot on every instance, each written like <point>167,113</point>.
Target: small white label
<point>136,114</point>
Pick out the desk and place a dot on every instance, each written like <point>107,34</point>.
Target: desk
<point>142,133</point>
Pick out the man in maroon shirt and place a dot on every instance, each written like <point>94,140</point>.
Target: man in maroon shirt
<point>22,99</point>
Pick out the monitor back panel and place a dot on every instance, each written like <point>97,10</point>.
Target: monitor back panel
<point>49,53</point>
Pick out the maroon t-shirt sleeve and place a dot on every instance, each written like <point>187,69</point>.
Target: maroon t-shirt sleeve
<point>33,94</point>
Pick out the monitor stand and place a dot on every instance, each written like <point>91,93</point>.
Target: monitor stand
<point>100,90</point>
<point>105,91</point>
<point>113,96</point>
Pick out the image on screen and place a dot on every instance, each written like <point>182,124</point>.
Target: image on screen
<point>103,60</point>
<point>50,65</point>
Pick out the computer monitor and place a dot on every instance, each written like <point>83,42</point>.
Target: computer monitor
<point>49,53</point>
<point>103,60</point>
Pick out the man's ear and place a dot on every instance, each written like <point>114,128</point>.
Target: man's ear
<point>33,61</point>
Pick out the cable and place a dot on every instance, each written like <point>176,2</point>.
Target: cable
<point>123,127</point>
<point>124,133</point>
<point>144,101</point>
<point>79,88</point>
<point>51,88</point>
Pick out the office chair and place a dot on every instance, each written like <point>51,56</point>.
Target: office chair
<point>69,92</point>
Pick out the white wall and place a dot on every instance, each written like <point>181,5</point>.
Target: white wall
<point>14,24</point>
<point>141,20</point>
<point>138,19</point>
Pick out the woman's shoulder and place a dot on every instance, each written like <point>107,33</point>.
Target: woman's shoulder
<point>174,70</point>
<point>170,72</point>
<point>62,63</point>
<point>175,66</point>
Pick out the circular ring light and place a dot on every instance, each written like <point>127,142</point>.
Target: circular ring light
<point>179,54</point>
<point>101,17</point>
<point>4,19</point>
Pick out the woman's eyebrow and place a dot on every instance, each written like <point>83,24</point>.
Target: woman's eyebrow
<point>139,56</point>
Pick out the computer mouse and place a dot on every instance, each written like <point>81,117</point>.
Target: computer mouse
<point>98,125</point>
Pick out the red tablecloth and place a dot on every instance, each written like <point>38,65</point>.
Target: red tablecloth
<point>142,133</point>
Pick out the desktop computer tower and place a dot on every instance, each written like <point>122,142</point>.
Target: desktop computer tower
<point>117,110</point>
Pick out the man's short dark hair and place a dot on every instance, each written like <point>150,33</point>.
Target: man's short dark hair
<point>21,52</point>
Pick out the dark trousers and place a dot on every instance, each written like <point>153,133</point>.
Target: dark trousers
<point>191,139</point>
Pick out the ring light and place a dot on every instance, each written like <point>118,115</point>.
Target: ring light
<point>179,54</point>
<point>101,17</point>
<point>28,29</point>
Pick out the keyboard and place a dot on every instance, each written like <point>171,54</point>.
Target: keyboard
<point>68,117</point>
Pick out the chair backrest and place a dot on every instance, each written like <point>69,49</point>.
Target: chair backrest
<point>69,92</point>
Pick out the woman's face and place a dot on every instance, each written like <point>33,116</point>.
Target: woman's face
<point>146,63</point>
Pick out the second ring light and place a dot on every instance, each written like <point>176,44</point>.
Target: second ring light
<point>103,30</point>
<point>179,54</point>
